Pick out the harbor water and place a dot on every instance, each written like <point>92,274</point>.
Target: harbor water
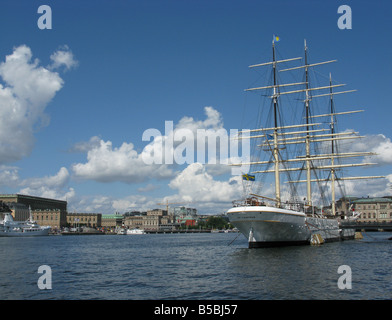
<point>192,266</point>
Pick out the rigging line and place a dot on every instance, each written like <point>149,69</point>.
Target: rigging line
<point>327,180</point>
<point>293,190</point>
<point>299,178</point>
<point>262,75</point>
<point>342,188</point>
<point>234,238</point>
<point>370,236</point>
<point>316,147</point>
<point>321,189</point>
<point>292,186</point>
<point>244,111</point>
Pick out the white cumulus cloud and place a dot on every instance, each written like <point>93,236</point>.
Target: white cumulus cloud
<point>108,164</point>
<point>26,88</point>
<point>55,187</point>
<point>63,57</point>
<point>378,144</point>
<point>194,183</point>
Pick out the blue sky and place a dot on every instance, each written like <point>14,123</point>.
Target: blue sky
<point>139,63</point>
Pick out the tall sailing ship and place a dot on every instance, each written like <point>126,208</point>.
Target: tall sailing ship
<point>293,149</point>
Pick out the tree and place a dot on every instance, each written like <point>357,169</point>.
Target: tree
<point>217,223</point>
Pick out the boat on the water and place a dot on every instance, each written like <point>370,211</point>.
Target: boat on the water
<point>28,228</point>
<point>292,146</point>
<point>121,231</point>
<point>135,231</point>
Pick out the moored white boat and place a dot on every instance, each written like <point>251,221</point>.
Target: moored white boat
<point>121,231</point>
<point>269,226</point>
<point>29,228</point>
<point>135,231</point>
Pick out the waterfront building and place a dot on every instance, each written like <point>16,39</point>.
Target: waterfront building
<point>19,211</point>
<point>134,213</point>
<point>180,212</point>
<point>93,220</point>
<point>344,206</point>
<point>45,211</point>
<point>185,216</point>
<point>152,220</point>
<point>187,221</point>
<point>167,227</point>
<point>373,209</point>
<point>157,212</point>
<point>155,218</point>
<point>55,218</point>
<point>4,208</point>
<point>112,221</point>
<point>34,202</point>
<point>134,221</point>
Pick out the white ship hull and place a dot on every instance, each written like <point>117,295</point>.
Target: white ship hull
<point>265,226</point>
<point>25,232</point>
<point>29,228</point>
<point>135,231</point>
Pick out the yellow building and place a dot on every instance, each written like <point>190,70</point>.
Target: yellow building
<point>374,209</point>
<point>150,221</point>
<point>55,218</point>
<point>93,220</point>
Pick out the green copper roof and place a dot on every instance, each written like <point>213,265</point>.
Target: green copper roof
<point>371,200</point>
<point>112,216</point>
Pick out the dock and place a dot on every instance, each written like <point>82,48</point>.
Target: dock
<point>146,231</point>
<point>176,231</point>
<point>366,226</point>
<point>80,233</point>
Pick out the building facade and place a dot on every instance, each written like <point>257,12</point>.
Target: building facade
<point>112,221</point>
<point>373,209</point>
<point>183,212</point>
<point>34,202</point>
<point>19,211</point>
<point>55,218</point>
<point>45,211</point>
<point>93,220</point>
<point>152,220</point>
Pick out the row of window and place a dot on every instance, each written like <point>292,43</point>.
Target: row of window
<point>55,217</point>
<point>86,219</point>
<point>373,215</point>
<point>373,206</point>
<point>46,217</point>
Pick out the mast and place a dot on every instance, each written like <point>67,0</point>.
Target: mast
<point>276,150</point>
<point>307,140</point>
<point>275,142</point>
<point>332,150</point>
<point>30,214</point>
<point>306,133</point>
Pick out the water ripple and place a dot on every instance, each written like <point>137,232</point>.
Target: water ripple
<point>191,266</point>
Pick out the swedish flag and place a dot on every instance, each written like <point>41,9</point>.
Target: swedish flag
<point>248,177</point>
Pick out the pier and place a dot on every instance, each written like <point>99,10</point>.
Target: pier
<point>366,226</point>
<point>73,233</point>
<point>188,231</point>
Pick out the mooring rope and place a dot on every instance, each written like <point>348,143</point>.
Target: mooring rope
<point>234,238</point>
